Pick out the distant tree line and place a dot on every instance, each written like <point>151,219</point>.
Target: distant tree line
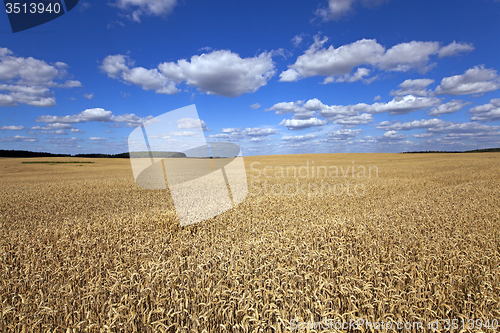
<point>25,153</point>
<point>487,150</point>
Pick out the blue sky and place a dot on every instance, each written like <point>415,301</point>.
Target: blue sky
<point>275,77</point>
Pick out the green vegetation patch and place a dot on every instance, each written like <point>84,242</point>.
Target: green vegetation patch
<point>53,162</point>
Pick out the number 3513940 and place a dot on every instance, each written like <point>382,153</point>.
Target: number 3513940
<point>32,8</point>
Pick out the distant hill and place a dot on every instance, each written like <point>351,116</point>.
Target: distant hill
<point>25,153</point>
<point>487,150</point>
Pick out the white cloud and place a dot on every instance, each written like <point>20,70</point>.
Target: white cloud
<point>139,8</point>
<point>342,135</point>
<point>12,128</point>
<point>416,87</point>
<point>259,132</point>
<point>28,80</point>
<point>338,63</point>
<point>231,130</point>
<point>93,138</point>
<point>88,96</point>
<point>403,105</point>
<point>96,114</point>
<point>298,124</point>
<point>377,98</point>
<point>399,105</point>
<point>64,142</point>
<point>190,123</point>
<point>286,107</point>
<point>219,136</point>
<point>217,73</point>
<point>234,134</point>
<point>222,72</point>
<point>338,9</point>
<point>333,61</point>
<point>53,126</point>
<point>299,138</point>
<point>19,138</point>
<point>184,133</point>
<point>475,80</point>
<point>470,127</point>
<point>411,125</point>
<point>406,56</point>
<point>297,40</point>
<point>450,107</point>
<point>255,106</point>
<point>349,121</point>
<point>392,135</point>
<point>486,112</point>
<point>423,135</point>
<point>57,132</point>
<point>117,66</point>
<point>358,75</point>
<point>454,48</point>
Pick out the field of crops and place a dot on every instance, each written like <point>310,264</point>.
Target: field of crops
<point>83,249</point>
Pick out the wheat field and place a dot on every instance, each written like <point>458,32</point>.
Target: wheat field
<point>83,249</point>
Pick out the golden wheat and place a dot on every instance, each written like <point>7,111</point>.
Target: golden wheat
<point>83,249</point>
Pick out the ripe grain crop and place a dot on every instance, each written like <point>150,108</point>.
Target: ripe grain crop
<point>83,249</point>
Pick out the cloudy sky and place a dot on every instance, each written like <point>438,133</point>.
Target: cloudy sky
<point>275,77</point>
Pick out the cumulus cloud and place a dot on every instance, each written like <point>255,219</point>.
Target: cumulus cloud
<point>298,124</point>
<point>12,128</point>
<point>222,72</point>
<point>475,80</point>
<point>338,63</point>
<point>454,48</point>
<point>138,8</point>
<point>231,130</point>
<point>450,107</point>
<point>96,114</point>
<point>347,115</point>
<point>64,142</point>
<point>338,9</point>
<point>392,135</point>
<point>318,60</point>
<point>450,127</point>
<point>28,80</point>
<point>403,105</point>
<point>299,111</point>
<point>342,135</point>
<point>184,133</point>
<point>361,119</point>
<point>411,125</point>
<point>357,76</point>
<point>217,73</point>
<point>118,67</point>
<point>405,56</point>
<point>416,87</point>
<point>255,106</point>
<point>254,134</point>
<point>89,96</point>
<point>19,138</point>
<point>399,105</point>
<point>259,132</point>
<point>486,112</point>
<point>299,138</point>
<point>53,126</point>
<point>190,123</point>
